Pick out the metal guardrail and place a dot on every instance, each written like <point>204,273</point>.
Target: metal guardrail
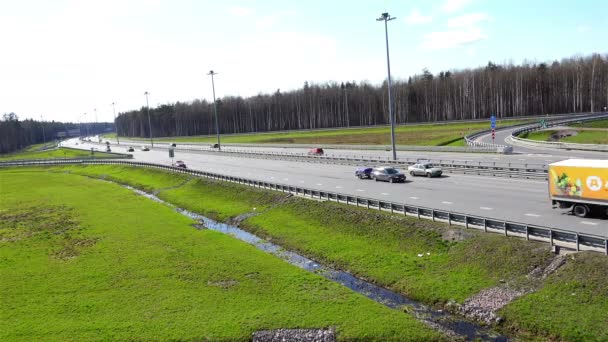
<point>555,237</point>
<point>560,145</point>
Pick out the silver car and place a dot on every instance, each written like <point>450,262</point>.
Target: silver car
<point>425,169</point>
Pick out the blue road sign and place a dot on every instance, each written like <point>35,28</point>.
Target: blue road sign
<point>493,121</point>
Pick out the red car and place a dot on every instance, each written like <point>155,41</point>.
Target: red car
<point>316,151</point>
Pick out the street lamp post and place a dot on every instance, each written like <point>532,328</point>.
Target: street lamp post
<point>217,124</point>
<point>149,122</point>
<point>386,17</point>
<point>115,126</point>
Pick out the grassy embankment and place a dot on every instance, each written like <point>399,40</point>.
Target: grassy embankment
<point>385,249</point>
<point>583,137</point>
<point>51,154</point>
<point>82,259</point>
<point>427,135</point>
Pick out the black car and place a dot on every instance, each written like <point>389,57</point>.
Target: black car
<point>388,174</point>
<point>173,144</point>
<point>215,145</point>
<point>364,173</point>
<point>130,149</point>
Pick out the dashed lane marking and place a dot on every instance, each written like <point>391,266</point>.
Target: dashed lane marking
<point>360,190</point>
<point>589,223</point>
<point>385,194</point>
<point>532,215</point>
<point>485,208</point>
<point>446,202</point>
<point>413,197</point>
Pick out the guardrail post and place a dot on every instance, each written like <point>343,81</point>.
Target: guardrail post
<point>606,246</point>
<point>485,225</point>
<point>449,219</point>
<point>527,232</point>
<point>433,214</point>
<point>418,212</point>
<point>551,237</point>
<point>577,242</point>
<point>367,201</point>
<point>466,222</point>
<point>506,231</point>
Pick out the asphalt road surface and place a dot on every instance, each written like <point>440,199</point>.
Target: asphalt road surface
<point>517,200</point>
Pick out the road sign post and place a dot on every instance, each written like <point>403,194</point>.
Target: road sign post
<point>493,126</point>
<point>171,155</point>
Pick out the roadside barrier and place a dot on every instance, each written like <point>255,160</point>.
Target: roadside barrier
<point>559,145</point>
<point>555,237</point>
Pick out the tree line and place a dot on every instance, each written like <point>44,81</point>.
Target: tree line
<point>16,134</point>
<point>576,84</point>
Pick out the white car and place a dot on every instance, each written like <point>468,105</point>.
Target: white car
<point>424,169</point>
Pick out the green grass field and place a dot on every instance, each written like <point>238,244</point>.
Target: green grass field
<point>592,124</point>
<point>385,249</point>
<point>583,137</point>
<point>82,259</point>
<point>51,154</point>
<point>428,135</point>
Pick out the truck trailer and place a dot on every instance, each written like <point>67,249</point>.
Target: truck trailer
<point>580,185</point>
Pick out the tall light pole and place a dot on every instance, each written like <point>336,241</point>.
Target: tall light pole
<point>386,17</point>
<point>42,124</point>
<point>149,122</point>
<point>115,126</point>
<point>217,124</point>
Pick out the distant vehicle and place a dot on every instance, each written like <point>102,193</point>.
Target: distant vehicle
<point>173,144</point>
<point>76,143</point>
<point>130,149</point>
<point>145,148</point>
<point>316,151</point>
<point>388,174</point>
<point>424,169</point>
<point>180,163</point>
<point>364,172</point>
<point>215,145</point>
<point>580,185</point>
<point>108,149</point>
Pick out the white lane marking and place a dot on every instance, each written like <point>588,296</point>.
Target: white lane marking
<point>319,184</point>
<point>338,187</point>
<point>414,197</point>
<point>521,159</point>
<point>589,223</point>
<point>301,181</point>
<point>385,194</point>
<point>271,177</point>
<point>360,190</point>
<point>532,215</point>
<point>485,208</point>
<point>446,202</point>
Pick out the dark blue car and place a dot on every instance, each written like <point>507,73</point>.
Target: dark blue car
<point>364,173</point>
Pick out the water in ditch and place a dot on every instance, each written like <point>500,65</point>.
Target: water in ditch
<point>446,322</point>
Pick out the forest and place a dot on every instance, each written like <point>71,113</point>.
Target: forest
<point>573,85</point>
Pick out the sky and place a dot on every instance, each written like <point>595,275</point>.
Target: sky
<point>60,59</point>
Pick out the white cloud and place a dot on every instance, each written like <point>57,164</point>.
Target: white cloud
<point>453,38</point>
<point>416,17</point>
<point>240,11</point>
<point>455,5</point>
<point>467,20</point>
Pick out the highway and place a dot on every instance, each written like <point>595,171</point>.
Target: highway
<point>517,200</point>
